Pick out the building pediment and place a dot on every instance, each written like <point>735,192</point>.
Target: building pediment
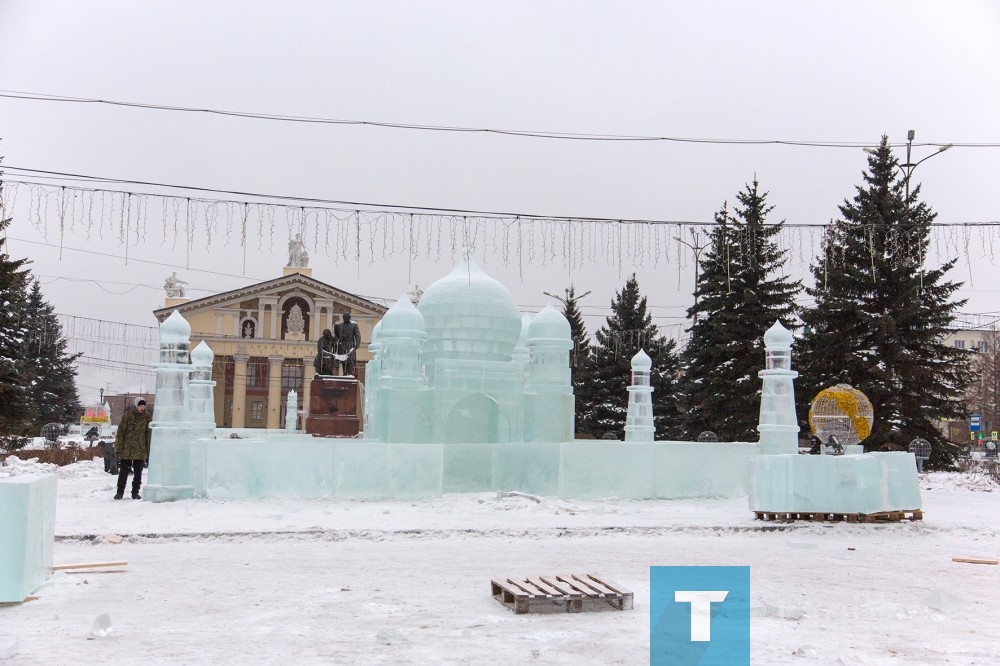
<point>276,290</point>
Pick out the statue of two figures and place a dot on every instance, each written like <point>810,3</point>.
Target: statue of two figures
<point>338,347</point>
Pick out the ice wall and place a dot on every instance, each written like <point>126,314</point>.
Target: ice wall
<point>867,483</point>
<point>302,466</point>
<point>27,530</point>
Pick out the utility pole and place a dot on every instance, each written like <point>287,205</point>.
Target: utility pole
<point>907,169</point>
<point>565,301</point>
<point>696,247</point>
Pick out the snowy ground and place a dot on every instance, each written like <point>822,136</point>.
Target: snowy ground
<point>310,581</point>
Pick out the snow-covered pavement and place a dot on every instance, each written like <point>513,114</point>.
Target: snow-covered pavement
<point>324,581</point>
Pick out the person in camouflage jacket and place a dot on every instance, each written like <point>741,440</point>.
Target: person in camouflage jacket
<point>132,447</point>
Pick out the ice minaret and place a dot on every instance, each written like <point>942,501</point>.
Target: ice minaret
<point>292,412</point>
<point>548,391</point>
<point>520,352</point>
<point>170,455</point>
<point>639,418</point>
<point>372,370</point>
<point>401,406</point>
<point>402,338</point>
<point>201,397</point>
<point>778,426</point>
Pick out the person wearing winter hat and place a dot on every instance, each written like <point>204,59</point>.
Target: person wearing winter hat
<point>132,447</point>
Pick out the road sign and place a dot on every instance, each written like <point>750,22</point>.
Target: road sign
<point>975,423</point>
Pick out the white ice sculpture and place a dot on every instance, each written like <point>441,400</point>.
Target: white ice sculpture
<point>549,404</point>
<point>639,418</point>
<point>466,368</point>
<point>292,412</point>
<point>170,469</point>
<point>27,533</point>
<point>778,425</point>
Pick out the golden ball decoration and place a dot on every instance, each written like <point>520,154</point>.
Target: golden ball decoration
<point>841,411</point>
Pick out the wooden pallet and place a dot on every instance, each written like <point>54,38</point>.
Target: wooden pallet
<point>571,593</point>
<point>882,517</point>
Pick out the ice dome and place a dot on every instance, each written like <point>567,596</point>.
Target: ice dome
<point>202,354</point>
<point>778,337</point>
<point>375,333</point>
<point>402,320</point>
<point>469,316</point>
<point>549,324</point>
<point>641,362</point>
<point>175,329</point>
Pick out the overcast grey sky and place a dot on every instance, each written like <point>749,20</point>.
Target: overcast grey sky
<point>793,71</point>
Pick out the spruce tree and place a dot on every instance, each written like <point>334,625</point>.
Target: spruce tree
<point>48,371</point>
<point>880,315</point>
<point>628,329</point>
<point>740,292</point>
<point>14,402</point>
<point>579,361</point>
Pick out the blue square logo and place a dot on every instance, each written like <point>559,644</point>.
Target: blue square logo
<point>699,615</point>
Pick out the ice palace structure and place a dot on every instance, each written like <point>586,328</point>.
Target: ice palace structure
<point>465,395</point>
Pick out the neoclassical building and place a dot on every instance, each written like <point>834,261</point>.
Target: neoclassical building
<point>264,340</point>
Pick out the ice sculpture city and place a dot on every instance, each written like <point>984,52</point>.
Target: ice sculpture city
<point>466,394</point>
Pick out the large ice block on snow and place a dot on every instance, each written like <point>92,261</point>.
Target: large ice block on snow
<point>701,469</point>
<point>527,467</point>
<point>27,531</point>
<point>379,470</point>
<point>660,470</point>
<point>867,483</point>
<point>269,468</point>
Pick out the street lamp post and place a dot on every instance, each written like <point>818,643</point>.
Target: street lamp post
<point>907,169</point>
<point>695,247</point>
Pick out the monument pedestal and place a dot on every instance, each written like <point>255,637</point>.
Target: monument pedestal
<point>333,406</point>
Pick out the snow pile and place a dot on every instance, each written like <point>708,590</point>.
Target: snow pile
<point>14,466</point>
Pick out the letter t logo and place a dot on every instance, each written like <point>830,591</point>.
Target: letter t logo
<point>701,610</point>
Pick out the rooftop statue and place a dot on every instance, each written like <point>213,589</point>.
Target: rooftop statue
<point>298,255</point>
<point>174,286</point>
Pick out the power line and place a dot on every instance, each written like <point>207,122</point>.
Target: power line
<point>533,134</point>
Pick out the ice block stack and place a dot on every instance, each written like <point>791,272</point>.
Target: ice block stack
<point>27,530</point>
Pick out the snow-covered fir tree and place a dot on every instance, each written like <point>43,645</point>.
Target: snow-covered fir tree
<point>880,315</point>
<point>628,329</point>
<point>742,289</point>
<point>47,370</point>
<point>14,400</point>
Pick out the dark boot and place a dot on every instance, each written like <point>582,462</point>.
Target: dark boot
<point>137,466</point>
<point>123,471</point>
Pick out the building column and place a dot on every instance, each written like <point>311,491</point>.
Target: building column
<point>260,320</point>
<point>274,392</point>
<point>314,322</point>
<point>307,378</point>
<point>274,321</point>
<point>218,323</point>
<point>219,371</point>
<point>240,390</point>
<point>237,333</point>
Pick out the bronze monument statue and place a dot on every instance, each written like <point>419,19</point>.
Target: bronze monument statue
<point>326,347</point>
<point>348,337</point>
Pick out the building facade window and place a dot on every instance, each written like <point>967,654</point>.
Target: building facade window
<point>257,369</point>
<point>291,376</point>
<point>256,410</point>
<point>959,344</point>
<point>981,346</point>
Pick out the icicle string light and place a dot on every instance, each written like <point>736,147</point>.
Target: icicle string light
<point>367,237</point>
